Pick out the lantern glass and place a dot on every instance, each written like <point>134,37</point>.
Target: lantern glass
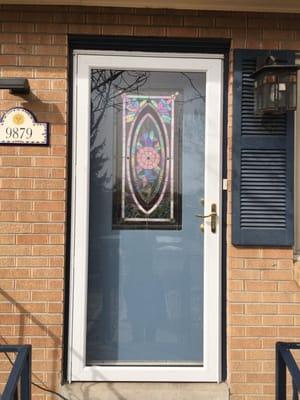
<point>269,92</point>
<point>292,91</point>
<point>275,89</point>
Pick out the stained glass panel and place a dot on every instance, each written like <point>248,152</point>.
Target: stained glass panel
<point>147,162</point>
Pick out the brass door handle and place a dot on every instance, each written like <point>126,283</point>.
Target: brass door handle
<point>213,216</point>
<point>206,216</point>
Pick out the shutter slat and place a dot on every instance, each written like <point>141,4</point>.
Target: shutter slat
<point>262,163</point>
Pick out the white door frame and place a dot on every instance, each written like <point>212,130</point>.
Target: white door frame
<point>212,65</point>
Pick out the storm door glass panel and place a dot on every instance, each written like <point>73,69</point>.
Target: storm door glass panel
<point>145,259</point>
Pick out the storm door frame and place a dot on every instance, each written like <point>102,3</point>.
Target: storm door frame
<point>208,46</point>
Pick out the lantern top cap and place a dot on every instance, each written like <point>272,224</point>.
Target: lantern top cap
<point>271,65</point>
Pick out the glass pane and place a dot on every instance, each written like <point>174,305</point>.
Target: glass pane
<point>145,280</point>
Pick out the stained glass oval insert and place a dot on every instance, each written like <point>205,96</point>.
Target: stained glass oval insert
<point>147,163</point>
<point>147,159</point>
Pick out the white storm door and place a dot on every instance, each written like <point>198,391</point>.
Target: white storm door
<point>145,290</point>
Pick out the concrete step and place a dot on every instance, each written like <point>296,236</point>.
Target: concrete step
<point>145,391</point>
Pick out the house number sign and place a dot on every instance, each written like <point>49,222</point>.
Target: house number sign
<point>19,126</point>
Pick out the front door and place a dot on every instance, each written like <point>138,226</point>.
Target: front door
<point>146,217</point>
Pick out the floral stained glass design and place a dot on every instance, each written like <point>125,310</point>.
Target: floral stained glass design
<point>148,163</point>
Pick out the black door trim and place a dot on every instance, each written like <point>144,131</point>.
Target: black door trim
<point>146,44</point>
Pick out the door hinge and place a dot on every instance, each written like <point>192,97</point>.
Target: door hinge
<point>225,184</point>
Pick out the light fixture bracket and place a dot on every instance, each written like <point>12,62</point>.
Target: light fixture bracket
<point>15,85</point>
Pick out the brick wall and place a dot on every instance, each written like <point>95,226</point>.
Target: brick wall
<point>263,297</point>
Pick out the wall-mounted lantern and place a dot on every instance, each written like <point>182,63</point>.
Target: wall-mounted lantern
<point>275,87</point>
<point>15,85</point>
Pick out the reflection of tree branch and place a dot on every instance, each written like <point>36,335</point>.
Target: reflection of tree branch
<point>113,75</point>
<point>107,85</point>
<point>102,111</point>
<point>119,90</point>
<point>107,88</point>
<point>200,96</point>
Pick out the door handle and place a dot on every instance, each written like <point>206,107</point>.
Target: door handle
<point>213,215</point>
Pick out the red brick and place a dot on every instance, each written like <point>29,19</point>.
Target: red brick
<point>48,228</point>
<point>36,61</point>
<point>32,262</point>
<point>232,22</point>
<point>260,286</point>
<point>16,205</point>
<point>277,275</point>
<point>181,32</point>
<point>16,250</point>
<point>261,331</point>
<point>51,28</point>
<point>49,206</point>
<point>167,20</point>
<point>47,273</point>
<point>261,309</point>
<point>17,49</point>
<point>101,19</point>
<point>8,37</point>
<point>134,20</point>
<point>47,295</point>
<point>33,195</point>
<point>32,239</point>
<point>31,284</point>
<point>15,273</point>
<point>33,38</point>
<point>17,27</point>
<point>117,30</point>
<point>33,216</point>
<point>8,60</point>
<point>48,250</point>
<point>69,17</point>
<point>278,34</point>
<point>16,161</point>
<point>199,21</point>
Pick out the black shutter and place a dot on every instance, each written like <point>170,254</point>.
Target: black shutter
<point>262,209</point>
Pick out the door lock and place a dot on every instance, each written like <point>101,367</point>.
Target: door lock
<point>212,216</point>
